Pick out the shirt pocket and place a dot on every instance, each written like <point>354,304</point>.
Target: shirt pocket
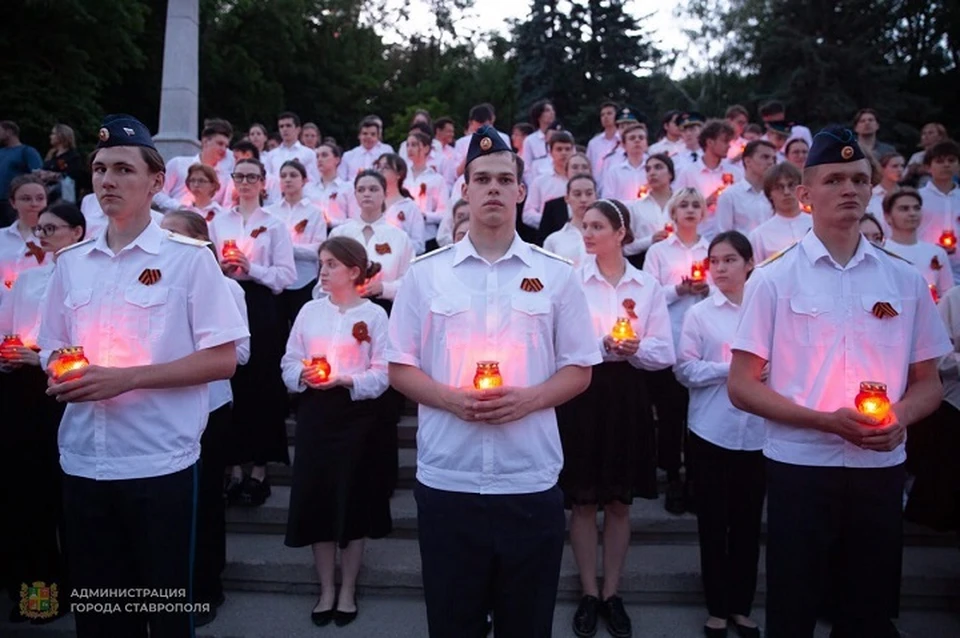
<point>79,310</point>
<point>450,318</point>
<point>145,311</point>
<point>812,320</point>
<point>884,330</point>
<point>530,317</point>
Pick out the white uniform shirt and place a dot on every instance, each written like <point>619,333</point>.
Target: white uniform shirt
<point>684,159</point>
<point>568,243</point>
<point>208,212</point>
<point>812,320</point>
<point>388,246</point>
<point>307,229</point>
<point>20,306</point>
<point>875,208</point>
<point>360,159</point>
<point>270,252</point>
<point>296,151</point>
<point>405,215</point>
<point>333,198</point>
<point>323,329</point>
<point>930,260</point>
<point>430,193</point>
<point>742,207</point>
<point>703,365</point>
<point>175,193</point>
<point>544,188</point>
<point>15,257</point>
<point>220,391</point>
<point>534,149</point>
<point>949,308</point>
<point>607,304</point>
<point>941,212</point>
<point>707,181</point>
<point>670,261</point>
<point>623,182</point>
<point>646,218</point>
<point>97,301</point>
<point>778,233</point>
<point>455,309</point>
<point>672,149</point>
<point>599,147</point>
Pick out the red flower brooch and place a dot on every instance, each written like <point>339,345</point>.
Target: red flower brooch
<point>629,305</point>
<point>360,332</point>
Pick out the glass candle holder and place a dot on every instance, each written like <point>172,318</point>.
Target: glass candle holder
<point>622,330</point>
<point>319,366</point>
<point>10,341</point>
<point>873,400</point>
<point>229,249</point>
<point>948,239</point>
<point>68,359</point>
<point>487,375</point>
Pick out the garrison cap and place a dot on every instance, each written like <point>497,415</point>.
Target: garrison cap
<point>124,130</point>
<point>781,128</point>
<point>486,140</point>
<point>629,114</point>
<point>690,118</point>
<point>834,145</point>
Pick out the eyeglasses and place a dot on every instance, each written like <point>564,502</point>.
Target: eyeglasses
<point>47,229</point>
<point>250,178</point>
<point>198,181</point>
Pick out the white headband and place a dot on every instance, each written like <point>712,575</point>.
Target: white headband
<point>614,207</point>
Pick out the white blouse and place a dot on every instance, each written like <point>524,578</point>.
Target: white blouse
<point>669,261</point>
<point>430,193</point>
<point>264,241</point>
<point>703,365</point>
<point>568,243</point>
<point>388,246</point>
<point>333,198</point>
<point>778,233</point>
<point>308,229</point>
<point>17,256</point>
<point>354,342</point>
<point>646,218</point>
<point>405,215</point>
<point>20,307</point>
<point>636,292</point>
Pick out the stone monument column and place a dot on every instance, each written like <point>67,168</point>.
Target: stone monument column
<point>179,94</point>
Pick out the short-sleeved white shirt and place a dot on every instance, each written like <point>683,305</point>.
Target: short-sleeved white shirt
<point>568,243</point>
<point>455,309</point>
<point>96,300</point>
<point>388,246</point>
<point>670,261</point>
<point>778,233</point>
<point>623,182</point>
<point>742,207</point>
<point>544,188</point>
<point>360,159</point>
<point>707,181</point>
<point>930,260</point>
<point>813,320</point>
<point>265,242</point>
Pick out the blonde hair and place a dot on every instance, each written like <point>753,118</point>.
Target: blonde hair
<point>683,194</point>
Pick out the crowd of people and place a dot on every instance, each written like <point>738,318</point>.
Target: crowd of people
<point>569,318</point>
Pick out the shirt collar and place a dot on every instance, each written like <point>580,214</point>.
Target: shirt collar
<point>518,248</point>
<point>149,240</point>
<point>675,240</point>
<point>720,299</point>
<point>814,249</point>
<point>592,271</point>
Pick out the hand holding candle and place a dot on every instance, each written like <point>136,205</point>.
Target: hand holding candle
<point>622,330</point>
<point>487,375</point>
<point>230,251</point>
<point>948,240</point>
<point>316,370</point>
<point>698,271</point>
<point>7,346</point>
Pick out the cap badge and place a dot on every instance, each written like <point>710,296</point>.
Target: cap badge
<point>847,152</point>
<point>104,135</point>
<point>486,144</point>
<point>129,131</point>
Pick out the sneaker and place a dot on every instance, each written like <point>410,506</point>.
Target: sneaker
<point>585,619</point>
<point>618,622</point>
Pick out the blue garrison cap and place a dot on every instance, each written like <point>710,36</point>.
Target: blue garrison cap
<point>486,140</point>
<point>834,145</point>
<point>687,119</point>
<point>124,130</point>
<point>783,128</point>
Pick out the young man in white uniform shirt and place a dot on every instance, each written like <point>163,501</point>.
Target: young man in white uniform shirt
<point>744,206</point>
<point>712,172</point>
<point>214,151</point>
<point>549,185</point>
<point>291,148</point>
<point>491,515</point>
<point>157,323</point>
<point>362,157</point>
<point>941,199</point>
<point>828,314</point>
<point>603,143</point>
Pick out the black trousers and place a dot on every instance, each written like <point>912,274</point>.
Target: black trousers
<point>729,487</point>
<point>136,533</point>
<point>490,552</point>
<point>670,399</point>
<point>211,550</point>
<point>810,512</point>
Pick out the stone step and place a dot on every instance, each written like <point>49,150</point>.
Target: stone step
<point>654,573</point>
<point>280,474</point>
<point>268,615</point>
<point>649,521</point>
<point>406,431</point>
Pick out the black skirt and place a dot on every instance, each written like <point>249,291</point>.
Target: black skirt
<point>609,447</point>
<point>259,433</point>
<point>339,489</point>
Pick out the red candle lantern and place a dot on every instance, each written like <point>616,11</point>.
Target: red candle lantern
<point>10,341</point>
<point>948,239</point>
<point>934,293</point>
<point>68,359</point>
<point>487,376</point>
<point>668,228</point>
<point>698,271</point>
<point>622,330</point>
<point>642,191</point>
<point>872,400</point>
<point>229,249</point>
<point>319,366</point>
<point>727,179</point>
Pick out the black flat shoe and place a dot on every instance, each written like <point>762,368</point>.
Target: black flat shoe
<point>743,631</point>
<point>585,618</point>
<point>618,622</point>
<point>344,618</point>
<point>714,632</point>
<point>323,618</point>
<point>232,491</point>
<point>675,503</point>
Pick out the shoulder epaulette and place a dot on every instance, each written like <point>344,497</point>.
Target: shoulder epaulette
<point>892,254</point>
<point>551,255</point>
<point>183,239</point>
<point>775,256</point>
<point>432,253</point>
<point>76,245</point>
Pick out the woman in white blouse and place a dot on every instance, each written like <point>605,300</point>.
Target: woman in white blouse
<point>402,211</point>
<point>339,494</point>
<point>671,262</point>
<point>568,241</point>
<point>725,443</point>
<point>31,511</point>
<point>649,213</point>
<point>427,185</point>
<point>307,227</point>
<point>203,184</point>
<point>261,260</point>
<point>331,194</point>
<point>607,432</point>
<point>892,167</point>
<point>19,250</point>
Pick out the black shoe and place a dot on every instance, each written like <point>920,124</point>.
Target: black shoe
<point>585,619</point>
<point>618,622</point>
<point>714,632</point>
<point>205,617</point>
<point>344,618</point>
<point>254,493</point>
<point>232,490</point>
<point>323,618</point>
<point>743,631</point>
<point>674,502</point>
